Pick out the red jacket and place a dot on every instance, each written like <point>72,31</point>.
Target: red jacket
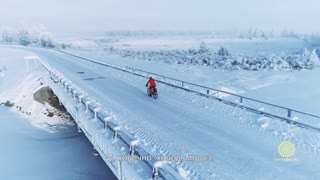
<point>152,82</point>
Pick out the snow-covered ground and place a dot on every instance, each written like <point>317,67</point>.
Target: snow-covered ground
<point>34,145</point>
<point>18,88</point>
<point>293,89</point>
<point>235,45</point>
<point>2,69</point>
<point>242,144</point>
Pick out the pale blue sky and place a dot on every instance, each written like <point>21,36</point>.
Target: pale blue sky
<point>101,15</point>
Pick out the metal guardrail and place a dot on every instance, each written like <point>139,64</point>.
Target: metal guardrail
<point>166,171</point>
<point>279,112</point>
<point>241,98</point>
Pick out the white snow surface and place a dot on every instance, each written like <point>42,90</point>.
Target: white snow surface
<point>286,88</point>
<point>2,69</point>
<point>24,104</point>
<point>22,96</point>
<point>242,144</point>
<point>30,149</point>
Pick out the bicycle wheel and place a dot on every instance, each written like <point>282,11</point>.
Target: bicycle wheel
<point>155,94</point>
<point>148,91</point>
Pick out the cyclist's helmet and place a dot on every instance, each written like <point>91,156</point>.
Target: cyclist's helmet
<point>150,77</point>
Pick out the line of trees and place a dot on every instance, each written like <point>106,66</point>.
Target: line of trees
<point>25,38</point>
<point>223,59</point>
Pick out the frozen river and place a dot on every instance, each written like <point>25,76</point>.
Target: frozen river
<point>31,153</point>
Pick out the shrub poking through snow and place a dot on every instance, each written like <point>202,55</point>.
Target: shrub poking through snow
<point>223,59</point>
<point>8,103</point>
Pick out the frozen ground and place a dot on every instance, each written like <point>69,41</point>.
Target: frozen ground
<point>36,146</point>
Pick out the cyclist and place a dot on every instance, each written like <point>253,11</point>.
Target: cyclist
<point>152,84</point>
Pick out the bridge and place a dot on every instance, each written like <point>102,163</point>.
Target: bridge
<point>142,138</point>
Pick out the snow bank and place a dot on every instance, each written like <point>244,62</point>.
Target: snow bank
<point>43,116</point>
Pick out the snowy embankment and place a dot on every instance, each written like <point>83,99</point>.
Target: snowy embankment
<point>17,90</point>
<point>31,150</point>
<point>181,124</point>
<point>21,98</point>
<point>41,115</point>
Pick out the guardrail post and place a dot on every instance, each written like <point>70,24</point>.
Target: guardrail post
<point>80,97</point>
<point>74,94</point>
<point>241,99</point>
<point>289,113</point>
<point>132,145</point>
<point>36,62</point>
<point>96,110</point>
<point>87,105</point>
<point>70,88</point>
<point>208,92</point>
<point>131,150</point>
<point>77,118</point>
<point>182,83</point>
<point>106,120</point>
<point>27,62</point>
<point>155,173</point>
<point>116,130</point>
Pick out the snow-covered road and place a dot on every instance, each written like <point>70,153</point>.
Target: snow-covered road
<point>242,144</point>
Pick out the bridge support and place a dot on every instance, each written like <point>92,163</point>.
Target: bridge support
<point>155,173</point>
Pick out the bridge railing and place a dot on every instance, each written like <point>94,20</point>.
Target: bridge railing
<point>260,105</point>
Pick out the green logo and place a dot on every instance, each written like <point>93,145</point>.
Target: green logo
<point>286,149</point>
